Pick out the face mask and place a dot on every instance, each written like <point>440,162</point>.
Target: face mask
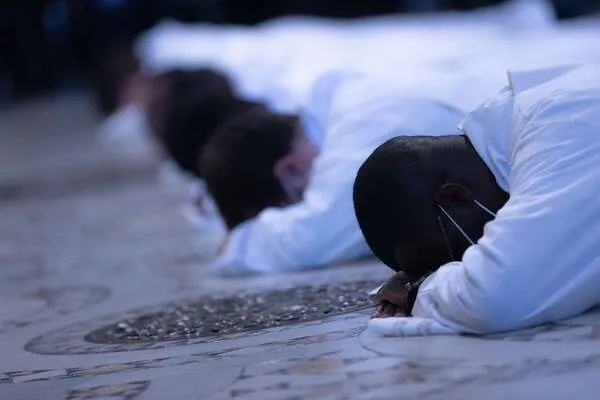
<point>291,190</point>
<point>460,229</point>
<point>313,130</point>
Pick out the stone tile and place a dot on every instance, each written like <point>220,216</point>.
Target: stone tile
<point>263,382</point>
<point>580,385</point>
<point>316,367</point>
<point>373,364</point>
<point>265,368</point>
<point>45,375</point>
<point>273,394</point>
<point>317,381</point>
<point>402,391</point>
<point>179,382</point>
<point>50,390</point>
<point>197,385</point>
<point>124,391</point>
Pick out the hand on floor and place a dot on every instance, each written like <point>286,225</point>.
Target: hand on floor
<point>391,299</point>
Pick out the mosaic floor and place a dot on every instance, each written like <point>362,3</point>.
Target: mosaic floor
<point>88,239</point>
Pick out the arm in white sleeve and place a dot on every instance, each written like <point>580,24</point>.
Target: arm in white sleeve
<point>322,229</point>
<point>538,261</point>
<point>319,230</point>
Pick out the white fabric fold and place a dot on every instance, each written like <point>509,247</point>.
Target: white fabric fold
<point>407,326</point>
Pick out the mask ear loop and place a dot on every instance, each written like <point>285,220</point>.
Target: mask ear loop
<point>411,285</point>
<point>484,208</point>
<point>456,225</point>
<point>446,240</point>
<point>291,193</point>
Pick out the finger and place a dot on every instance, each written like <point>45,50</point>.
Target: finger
<point>392,297</point>
<point>378,310</point>
<point>400,313</point>
<point>389,310</point>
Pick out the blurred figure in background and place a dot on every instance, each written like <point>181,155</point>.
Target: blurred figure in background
<point>284,184</point>
<point>179,111</point>
<point>183,110</point>
<point>47,43</point>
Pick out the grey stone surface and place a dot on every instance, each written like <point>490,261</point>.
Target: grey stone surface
<point>89,238</point>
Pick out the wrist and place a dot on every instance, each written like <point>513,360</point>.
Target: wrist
<point>411,298</point>
<point>412,290</point>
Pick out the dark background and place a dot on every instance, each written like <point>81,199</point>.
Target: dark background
<point>60,44</point>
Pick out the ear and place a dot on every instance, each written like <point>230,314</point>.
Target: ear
<point>284,167</point>
<point>452,192</point>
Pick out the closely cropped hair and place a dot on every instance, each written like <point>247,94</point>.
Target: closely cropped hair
<point>194,105</point>
<point>389,184</point>
<point>238,163</point>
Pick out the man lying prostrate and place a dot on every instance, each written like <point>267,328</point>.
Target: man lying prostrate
<point>183,110</point>
<point>493,230</point>
<point>171,95</point>
<point>287,198</point>
<point>288,53</point>
<point>179,110</point>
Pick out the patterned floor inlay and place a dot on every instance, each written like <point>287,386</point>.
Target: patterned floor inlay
<point>211,316</point>
<point>125,391</point>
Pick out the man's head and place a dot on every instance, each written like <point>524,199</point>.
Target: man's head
<point>255,161</point>
<point>115,73</point>
<point>185,108</point>
<point>401,189</point>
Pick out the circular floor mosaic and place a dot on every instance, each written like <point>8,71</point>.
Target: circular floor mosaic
<point>234,317</point>
<point>211,316</point>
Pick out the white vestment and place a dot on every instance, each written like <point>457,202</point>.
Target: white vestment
<point>356,114</point>
<point>538,261</point>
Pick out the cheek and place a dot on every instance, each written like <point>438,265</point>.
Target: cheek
<point>422,254</point>
<point>309,158</point>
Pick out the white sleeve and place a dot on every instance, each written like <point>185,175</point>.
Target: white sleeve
<point>538,261</point>
<point>322,229</point>
<point>318,231</point>
<point>318,111</point>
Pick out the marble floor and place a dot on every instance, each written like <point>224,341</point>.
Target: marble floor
<point>88,238</point>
